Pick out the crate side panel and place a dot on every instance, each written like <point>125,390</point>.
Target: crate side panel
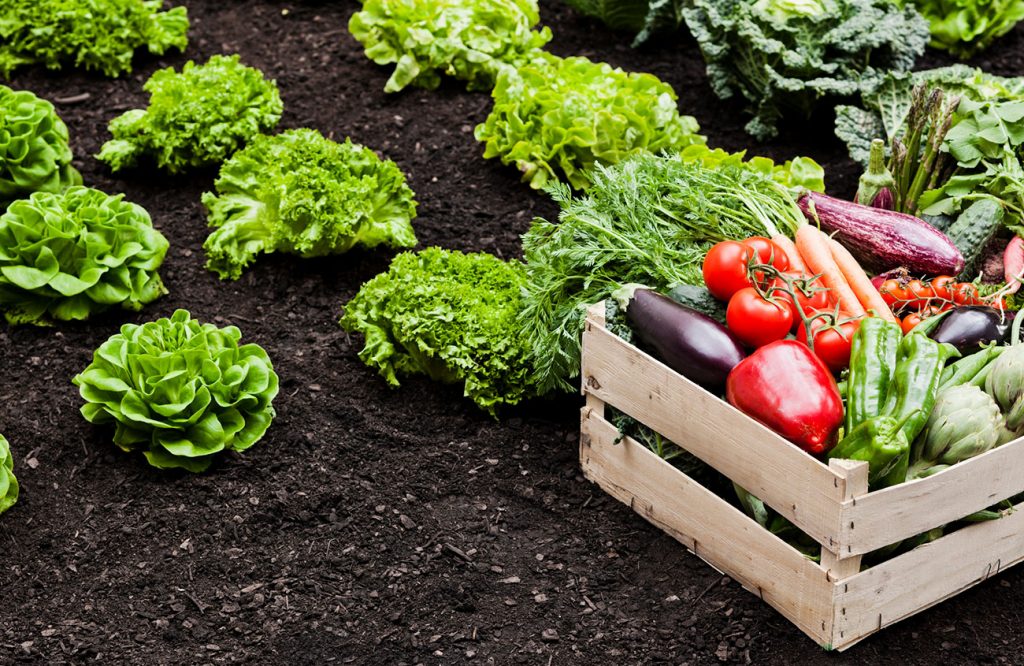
<point>793,483</point>
<point>890,515</point>
<point>716,531</point>
<point>886,593</point>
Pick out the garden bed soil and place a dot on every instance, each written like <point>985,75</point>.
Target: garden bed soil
<point>371,525</point>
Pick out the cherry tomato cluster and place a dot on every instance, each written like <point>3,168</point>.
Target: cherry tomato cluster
<point>767,301</point>
<point>915,300</point>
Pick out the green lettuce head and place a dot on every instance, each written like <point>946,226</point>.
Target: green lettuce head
<point>196,117</point>
<point>471,40</point>
<point>180,391</point>
<point>34,151</point>
<point>558,117</point>
<point>67,256</point>
<point>301,193</point>
<point>93,34</point>
<point>8,484</point>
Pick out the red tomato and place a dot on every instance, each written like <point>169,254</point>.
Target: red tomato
<point>810,295</point>
<point>725,269</point>
<point>755,320</point>
<point>941,287</point>
<point>894,293</point>
<point>920,293</point>
<point>964,293</point>
<point>909,322</point>
<point>768,252</point>
<point>832,342</point>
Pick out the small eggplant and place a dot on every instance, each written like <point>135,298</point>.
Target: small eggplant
<point>968,327</point>
<point>876,184</point>
<point>691,343</point>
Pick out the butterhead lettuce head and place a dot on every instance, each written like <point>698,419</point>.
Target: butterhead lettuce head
<point>8,484</point>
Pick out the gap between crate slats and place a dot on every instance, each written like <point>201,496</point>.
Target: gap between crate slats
<point>799,487</point>
<point>716,531</point>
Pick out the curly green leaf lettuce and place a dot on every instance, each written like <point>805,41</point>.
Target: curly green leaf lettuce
<point>196,117</point>
<point>784,55</point>
<point>8,484</point>
<point>450,316</point>
<point>67,256</point>
<point>301,193</point>
<point>180,391</point>
<point>98,35</point>
<point>558,117</point>
<point>34,151</point>
<point>967,27</point>
<point>471,40</point>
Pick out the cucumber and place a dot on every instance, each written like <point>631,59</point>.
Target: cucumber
<point>698,298</point>
<point>972,231</point>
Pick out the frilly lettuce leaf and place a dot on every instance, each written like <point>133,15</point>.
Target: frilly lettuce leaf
<point>784,55</point>
<point>179,391</point>
<point>471,40</point>
<point>34,151</point>
<point>195,117</point>
<point>98,35</point>
<point>558,117</point>
<point>450,316</point>
<point>67,256</point>
<point>301,193</point>
<point>8,484</point>
<point>966,27</point>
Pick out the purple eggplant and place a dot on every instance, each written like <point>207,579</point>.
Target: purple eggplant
<point>875,185</point>
<point>968,327</point>
<point>691,343</point>
<point>881,239</point>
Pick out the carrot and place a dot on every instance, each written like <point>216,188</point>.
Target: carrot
<point>859,282</point>
<point>796,264</point>
<point>814,250</point>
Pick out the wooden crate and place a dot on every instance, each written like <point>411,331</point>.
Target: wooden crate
<point>835,602</point>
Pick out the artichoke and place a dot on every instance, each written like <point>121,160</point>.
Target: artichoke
<point>66,256</point>
<point>34,151</point>
<point>8,484</point>
<point>180,391</point>
<point>965,422</point>
<point>1005,383</point>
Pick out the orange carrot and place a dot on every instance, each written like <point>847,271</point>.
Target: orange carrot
<point>814,250</point>
<point>796,264</point>
<point>859,282</point>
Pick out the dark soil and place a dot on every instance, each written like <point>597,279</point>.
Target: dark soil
<point>376,526</point>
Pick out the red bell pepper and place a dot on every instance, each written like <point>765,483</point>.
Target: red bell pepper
<point>786,387</point>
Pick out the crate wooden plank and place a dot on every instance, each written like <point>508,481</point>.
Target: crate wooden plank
<point>900,587</point>
<point>793,483</point>
<point>716,531</point>
<point>890,515</point>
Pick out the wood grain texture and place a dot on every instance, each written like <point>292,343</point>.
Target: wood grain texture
<point>713,529</point>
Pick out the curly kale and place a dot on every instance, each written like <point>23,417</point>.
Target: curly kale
<point>784,55</point>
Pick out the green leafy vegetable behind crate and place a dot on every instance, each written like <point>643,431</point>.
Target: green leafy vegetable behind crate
<point>301,193</point>
<point>557,117</point>
<point>450,316</point>
<point>644,17</point>
<point>782,56</point>
<point>471,40</point>
<point>34,151</point>
<point>8,484</point>
<point>195,117</point>
<point>68,256</point>
<point>100,35</point>
<point>647,220</point>
<point>179,391</point>
<point>966,27</point>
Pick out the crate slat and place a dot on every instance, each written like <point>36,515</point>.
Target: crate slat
<point>898,588</point>
<point>793,483</point>
<point>900,512</point>
<point>764,564</point>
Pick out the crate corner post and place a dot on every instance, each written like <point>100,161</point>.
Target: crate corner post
<point>854,479</point>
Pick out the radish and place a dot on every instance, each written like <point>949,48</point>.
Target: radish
<point>1013,264</point>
